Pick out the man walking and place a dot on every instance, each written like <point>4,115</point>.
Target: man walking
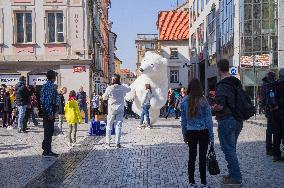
<point>228,127</point>
<point>268,83</point>
<point>82,100</point>
<point>22,100</point>
<point>115,95</point>
<point>48,103</point>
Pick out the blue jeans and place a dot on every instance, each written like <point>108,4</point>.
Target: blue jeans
<point>21,116</point>
<point>229,130</point>
<point>85,110</point>
<point>269,132</point>
<point>145,112</point>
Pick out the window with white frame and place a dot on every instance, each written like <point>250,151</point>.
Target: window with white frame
<point>173,53</point>
<point>24,27</point>
<point>55,30</point>
<point>174,76</point>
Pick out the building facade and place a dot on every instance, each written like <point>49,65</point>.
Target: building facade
<point>173,45</point>
<point>145,43</point>
<point>117,65</point>
<point>112,49</point>
<point>243,31</point>
<point>49,34</point>
<point>127,76</point>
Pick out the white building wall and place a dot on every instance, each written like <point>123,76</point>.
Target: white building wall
<point>72,80</point>
<point>177,64</point>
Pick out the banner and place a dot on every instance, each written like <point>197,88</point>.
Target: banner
<point>37,79</point>
<point>9,79</point>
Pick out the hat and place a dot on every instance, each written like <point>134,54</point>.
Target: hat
<point>281,72</point>
<point>22,78</point>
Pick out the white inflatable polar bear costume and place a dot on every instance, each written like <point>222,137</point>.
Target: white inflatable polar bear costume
<point>154,72</point>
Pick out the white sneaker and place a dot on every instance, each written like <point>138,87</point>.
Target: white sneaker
<point>70,144</point>
<point>139,127</point>
<point>9,128</point>
<point>148,127</point>
<point>192,185</point>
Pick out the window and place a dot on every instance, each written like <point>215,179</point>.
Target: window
<point>55,33</point>
<point>24,28</point>
<point>173,53</point>
<point>174,76</point>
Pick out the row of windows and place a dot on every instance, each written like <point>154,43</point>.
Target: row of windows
<point>259,26</point>
<point>24,27</point>
<point>196,8</point>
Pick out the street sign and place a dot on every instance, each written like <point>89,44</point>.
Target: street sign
<point>234,70</point>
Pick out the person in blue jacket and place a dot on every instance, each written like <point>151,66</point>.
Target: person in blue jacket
<point>197,129</point>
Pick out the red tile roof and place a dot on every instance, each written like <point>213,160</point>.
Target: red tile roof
<point>173,25</point>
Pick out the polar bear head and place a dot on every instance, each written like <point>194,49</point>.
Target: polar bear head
<point>153,65</point>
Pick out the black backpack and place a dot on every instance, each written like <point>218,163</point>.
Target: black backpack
<point>244,109</point>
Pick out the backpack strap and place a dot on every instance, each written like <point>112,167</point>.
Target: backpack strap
<point>235,91</point>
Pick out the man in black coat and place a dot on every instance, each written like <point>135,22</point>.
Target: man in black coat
<point>22,100</point>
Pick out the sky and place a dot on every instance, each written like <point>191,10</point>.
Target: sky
<point>131,17</point>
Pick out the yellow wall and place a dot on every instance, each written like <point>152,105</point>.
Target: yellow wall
<point>117,64</point>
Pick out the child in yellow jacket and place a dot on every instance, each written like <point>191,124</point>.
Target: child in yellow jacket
<point>73,116</point>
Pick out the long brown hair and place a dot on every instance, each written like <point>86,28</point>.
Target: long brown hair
<point>148,86</point>
<point>196,93</point>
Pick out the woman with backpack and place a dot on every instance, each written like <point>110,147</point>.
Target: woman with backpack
<point>197,129</point>
<point>146,107</point>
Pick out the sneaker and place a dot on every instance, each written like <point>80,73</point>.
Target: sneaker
<point>204,186</point>
<point>70,144</point>
<point>107,145</point>
<point>230,182</point>
<point>139,127</point>
<point>118,146</point>
<point>9,128</point>
<point>192,185</point>
<point>49,155</point>
<point>278,159</point>
<point>19,130</point>
<point>148,127</point>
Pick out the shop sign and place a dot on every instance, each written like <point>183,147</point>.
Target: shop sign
<point>79,69</point>
<point>37,79</point>
<point>9,79</point>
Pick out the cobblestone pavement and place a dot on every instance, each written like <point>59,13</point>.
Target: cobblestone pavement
<point>158,158</point>
<point>20,154</point>
<point>149,158</point>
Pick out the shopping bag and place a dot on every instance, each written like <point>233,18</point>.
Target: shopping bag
<point>57,130</point>
<point>212,163</point>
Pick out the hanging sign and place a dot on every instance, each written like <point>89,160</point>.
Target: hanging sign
<point>37,79</point>
<point>9,79</point>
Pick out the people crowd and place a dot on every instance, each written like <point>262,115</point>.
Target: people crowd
<point>187,104</point>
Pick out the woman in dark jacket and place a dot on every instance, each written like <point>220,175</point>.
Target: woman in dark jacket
<point>60,108</point>
<point>7,110</point>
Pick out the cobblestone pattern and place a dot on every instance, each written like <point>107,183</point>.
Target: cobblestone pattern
<point>20,154</point>
<point>158,158</point>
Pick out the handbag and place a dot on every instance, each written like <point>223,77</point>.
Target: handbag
<point>212,163</point>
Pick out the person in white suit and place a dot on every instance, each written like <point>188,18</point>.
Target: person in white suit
<point>115,95</point>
